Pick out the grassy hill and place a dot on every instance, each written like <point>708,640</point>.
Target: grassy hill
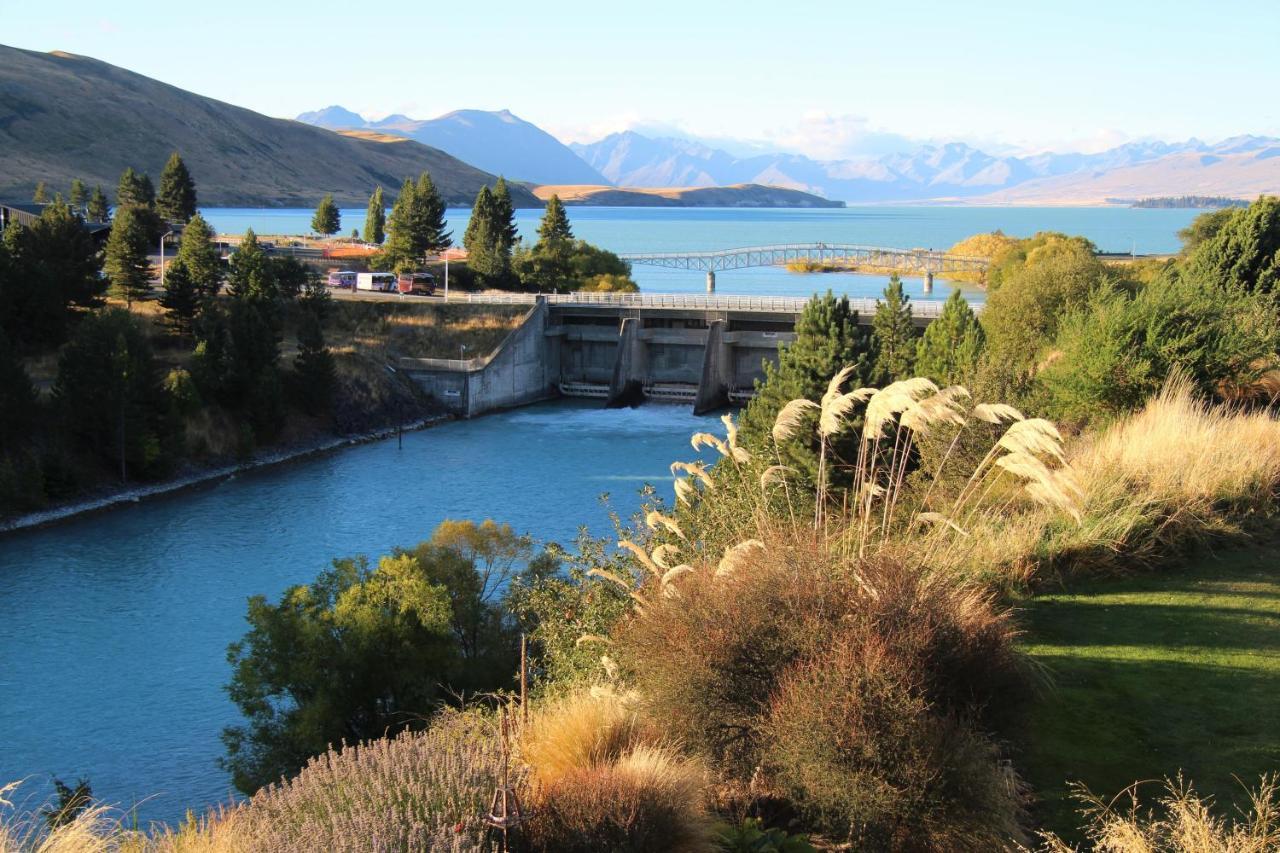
<point>64,116</point>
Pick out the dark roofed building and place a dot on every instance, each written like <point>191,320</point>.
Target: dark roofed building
<point>14,213</point>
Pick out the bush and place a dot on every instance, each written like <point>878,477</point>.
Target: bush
<point>649,800</point>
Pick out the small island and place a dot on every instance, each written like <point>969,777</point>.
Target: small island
<point>736,195</point>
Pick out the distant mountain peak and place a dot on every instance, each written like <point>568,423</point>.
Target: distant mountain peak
<point>333,117</point>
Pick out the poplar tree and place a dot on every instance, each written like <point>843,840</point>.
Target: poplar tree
<point>554,227</point>
<point>327,221</point>
<point>41,195</point>
<point>177,198</point>
<point>893,334</point>
<point>504,215</point>
<point>375,218</point>
<point>200,257</point>
<point>79,195</point>
<point>127,264</point>
<point>98,210</point>
<point>948,351</point>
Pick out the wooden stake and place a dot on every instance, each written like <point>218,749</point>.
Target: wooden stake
<point>524,680</point>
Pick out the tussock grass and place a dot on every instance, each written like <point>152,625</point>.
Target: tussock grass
<point>580,731</point>
<point>394,329</point>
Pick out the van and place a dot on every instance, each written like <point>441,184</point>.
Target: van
<point>417,283</point>
<point>381,282</point>
<point>345,279</point>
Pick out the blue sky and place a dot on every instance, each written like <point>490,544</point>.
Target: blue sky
<point>829,79</point>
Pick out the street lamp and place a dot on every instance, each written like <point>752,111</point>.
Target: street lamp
<point>167,234</point>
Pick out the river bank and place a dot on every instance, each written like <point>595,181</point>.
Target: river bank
<point>201,476</point>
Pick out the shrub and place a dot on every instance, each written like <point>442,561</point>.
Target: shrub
<point>649,800</point>
<point>751,836</point>
<point>578,732</point>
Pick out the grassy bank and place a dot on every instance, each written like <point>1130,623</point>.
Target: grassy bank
<point>1155,675</point>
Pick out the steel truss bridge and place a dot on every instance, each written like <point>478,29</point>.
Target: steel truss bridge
<point>875,259</point>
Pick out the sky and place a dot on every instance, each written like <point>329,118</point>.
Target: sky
<point>827,79</point>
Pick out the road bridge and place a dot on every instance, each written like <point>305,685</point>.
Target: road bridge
<point>925,263</point>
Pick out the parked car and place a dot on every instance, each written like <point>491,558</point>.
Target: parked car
<point>417,283</point>
<point>380,282</point>
<point>345,279</point>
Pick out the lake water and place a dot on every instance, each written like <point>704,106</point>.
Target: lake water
<point>639,229</point>
<point>114,627</point>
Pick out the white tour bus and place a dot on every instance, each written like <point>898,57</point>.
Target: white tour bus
<point>345,279</point>
<point>383,282</point>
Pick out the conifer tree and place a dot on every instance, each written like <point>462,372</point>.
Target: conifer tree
<point>134,190</point>
<point>948,351</point>
<point>828,339</point>
<point>893,334</point>
<point>127,264</point>
<point>79,195</point>
<point>98,210</point>
<point>181,298</point>
<point>504,215</point>
<point>176,200</point>
<point>17,395</point>
<point>487,256</point>
<point>41,195</point>
<point>429,214</point>
<point>375,218</point>
<point>313,369</point>
<point>249,272</point>
<point>403,243</point>
<point>200,257</point>
<point>554,227</point>
<point>327,221</point>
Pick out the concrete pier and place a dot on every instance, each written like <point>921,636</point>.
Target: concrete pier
<point>711,281</point>
<point>630,367</point>
<point>928,282</point>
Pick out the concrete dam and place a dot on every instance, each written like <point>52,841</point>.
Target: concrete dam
<point>623,349</point>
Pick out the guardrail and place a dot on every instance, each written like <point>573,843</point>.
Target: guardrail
<point>927,308</point>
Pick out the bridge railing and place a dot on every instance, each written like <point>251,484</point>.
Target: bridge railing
<point>923,308</point>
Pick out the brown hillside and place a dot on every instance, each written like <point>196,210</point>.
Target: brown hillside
<point>64,116</point>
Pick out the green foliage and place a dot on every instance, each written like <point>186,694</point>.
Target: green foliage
<point>504,216</point>
<point>1022,314</point>
<point>46,271</point>
<point>828,338</point>
<point>71,803</point>
<point>375,218</point>
<point>127,259</point>
<point>314,372</point>
<point>1032,251</point>
<point>134,190</point>
<point>180,298</point>
<point>1114,353</point>
<point>327,220</point>
<point>176,201</point>
<point>563,266</point>
<point>893,334</point>
<point>417,226</point>
<point>250,274</point>
<point>951,345</point>
<point>109,392</point>
<point>357,654</point>
<point>488,254</point>
<point>1243,253</point>
<point>98,210</point>
<point>200,257</point>
<point>1204,227</point>
<point>79,194</point>
<point>41,194</point>
<point>555,223</point>
<point>751,836</point>
<point>17,397</point>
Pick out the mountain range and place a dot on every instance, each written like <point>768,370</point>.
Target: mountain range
<point>497,142</point>
<point>1243,166</point>
<point>64,116</point>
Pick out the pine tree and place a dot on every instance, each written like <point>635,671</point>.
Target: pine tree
<point>893,334</point>
<point>828,339</point>
<point>327,220</point>
<point>487,256</point>
<point>41,195</point>
<point>504,215</point>
<point>131,191</point>
<point>127,264</point>
<point>375,218</point>
<point>200,257</point>
<point>98,209</point>
<point>313,369</point>
<point>79,195</point>
<point>177,198</point>
<point>249,272</point>
<point>17,395</point>
<point>948,351</point>
<point>403,244</point>
<point>555,223</point>
<point>429,213</point>
<point>181,298</point>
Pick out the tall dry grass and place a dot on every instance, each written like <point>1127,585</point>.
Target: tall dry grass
<point>1180,822</point>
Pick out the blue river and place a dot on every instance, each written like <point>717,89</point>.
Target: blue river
<point>114,626</point>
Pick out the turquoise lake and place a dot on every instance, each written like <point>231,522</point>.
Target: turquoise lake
<point>114,626</point>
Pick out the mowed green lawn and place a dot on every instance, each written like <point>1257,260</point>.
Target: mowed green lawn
<point>1161,672</point>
